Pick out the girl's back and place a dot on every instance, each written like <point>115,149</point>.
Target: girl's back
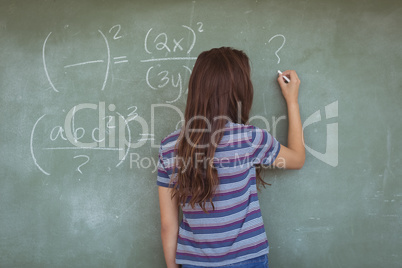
<point>232,230</point>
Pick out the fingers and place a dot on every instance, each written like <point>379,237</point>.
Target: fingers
<point>292,75</point>
<point>281,80</point>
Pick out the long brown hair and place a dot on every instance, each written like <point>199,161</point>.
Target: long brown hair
<point>219,90</point>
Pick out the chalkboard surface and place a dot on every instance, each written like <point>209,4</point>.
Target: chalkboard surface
<point>89,88</point>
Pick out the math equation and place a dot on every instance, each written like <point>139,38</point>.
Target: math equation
<point>166,63</point>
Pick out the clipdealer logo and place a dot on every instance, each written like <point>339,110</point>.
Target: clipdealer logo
<point>113,132</point>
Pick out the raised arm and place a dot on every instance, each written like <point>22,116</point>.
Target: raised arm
<point>292,156</point>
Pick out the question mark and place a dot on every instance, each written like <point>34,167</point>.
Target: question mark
<point>276,52</point>
<point>85,156</point>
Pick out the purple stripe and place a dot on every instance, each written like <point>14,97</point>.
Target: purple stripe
<point>222,210</point>
<point>238,190</point>
<point>169,151</point>
<point>170,137</point>
<point>231,160</point>
<point>226,144</point>
<point>162,170</point>
<point>222,241</point>
<point>252,230</point>
<point>214,227</point>
<point>227,177</point>
<point>221,226</point>
<point>224,255</point>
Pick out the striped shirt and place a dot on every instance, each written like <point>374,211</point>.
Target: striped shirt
<point>234,230</point>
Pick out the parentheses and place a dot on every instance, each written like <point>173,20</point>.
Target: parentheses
<point>146,41</point>
<point>147,78</point>
<point>108,59</point>
<point>194,39</point>
<point>44,63</point>
<point>129,139</point>
<point>188,69</point>
<point>31,146</point>
<point>177,125</point>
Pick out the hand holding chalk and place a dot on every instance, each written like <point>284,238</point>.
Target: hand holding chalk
<point>284,77</point>
<point>290,89</point>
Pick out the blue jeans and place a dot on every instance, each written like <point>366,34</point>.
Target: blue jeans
<point>259,262</point>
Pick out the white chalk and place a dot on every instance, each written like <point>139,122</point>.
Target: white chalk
<point>287,79</point>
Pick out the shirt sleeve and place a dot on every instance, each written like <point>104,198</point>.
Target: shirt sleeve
<point>265,147</point>
<point>163,178</point>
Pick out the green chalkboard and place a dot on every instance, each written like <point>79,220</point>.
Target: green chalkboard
<point>89,88</point>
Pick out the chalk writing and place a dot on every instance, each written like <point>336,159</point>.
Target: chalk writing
<point>69,136</point>
<point>283,43</point>
<point>157,76</point>
<point>114,131</point>
<point>116,35</point>
<point>121,59</point>
<point>44,63</point>
<point>86,161</point>
<point>115,31</point>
